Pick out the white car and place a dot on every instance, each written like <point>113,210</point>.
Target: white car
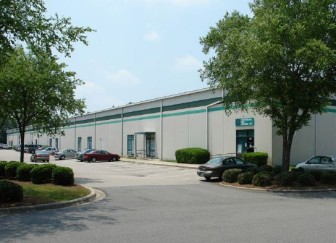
<point>318,163</point>
<point>51,150</point>
<point>5,146</point>
<point>66,154</point>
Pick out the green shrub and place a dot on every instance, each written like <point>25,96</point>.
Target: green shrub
<point>63,176</point>
<point>287,178</point>
<point>245,178</point>
<point>317,174</point>
<point>10,192</point>
<point>10,169</point>
<point>42,174</point>
<point>266,168</point>
<point>306,179</point>
<point>277,170</point>
<point>254,170</point>
<point>262,179</point>
<point>258,158</point>
<point>329,178</point>
<point>2,169</point>
<point>192,155</point>
<point>23,172</point>
<point>231,175</point>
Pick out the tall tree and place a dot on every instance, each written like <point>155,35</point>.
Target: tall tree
<point>26,21</point>
<point>38,93</point>
<point>280,62</point>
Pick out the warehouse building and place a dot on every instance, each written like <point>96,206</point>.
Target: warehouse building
<point>157,128</point>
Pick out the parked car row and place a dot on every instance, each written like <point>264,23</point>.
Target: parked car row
<point>5,146</point>
<point>89,155</point>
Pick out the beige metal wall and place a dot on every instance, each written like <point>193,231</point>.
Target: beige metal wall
<point>179,125</point>
<point>318,138</point>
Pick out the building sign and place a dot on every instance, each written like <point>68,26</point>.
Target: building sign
<point>244,122</point>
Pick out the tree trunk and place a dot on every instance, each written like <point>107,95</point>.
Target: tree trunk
<point>286,150</point>
<point>22,138</point>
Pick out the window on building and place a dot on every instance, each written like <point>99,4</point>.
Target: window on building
<point>56,143</point>
<point>130,145</point>
<point>50,142</point>
<point>89,142</point>
<point>79,143</point>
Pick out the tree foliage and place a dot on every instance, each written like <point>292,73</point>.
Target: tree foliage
<point>25,21</point>
<point>35,89</point>
<point>38,92</point>
<point>281,61</point>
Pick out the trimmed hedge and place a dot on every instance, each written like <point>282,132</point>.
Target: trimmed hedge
<point>2,169</point>
<point>258,158</point>
<point>42,174</point>
<point>285,178</point>
<point>23,172</point>
<point>192,155</point>
<point>10,169</point>
<point>329,178</point>
<point>63,176</point>
<point>306,179</point>
<point>245,177</point>
<point>10,192</point>
<point>262,179</point>
<point>231,175</point>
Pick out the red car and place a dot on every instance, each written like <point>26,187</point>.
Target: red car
<point>100,155</point>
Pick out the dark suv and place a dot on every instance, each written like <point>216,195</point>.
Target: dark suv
<point>30,148</point>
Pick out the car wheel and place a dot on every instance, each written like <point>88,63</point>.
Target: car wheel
<point>207,178</point>
<point>93,160</point>
<point>62,157</point>
<point>114,159</point>
<point>81,160</point>
<point>220,177</point>
<point>48,161</point>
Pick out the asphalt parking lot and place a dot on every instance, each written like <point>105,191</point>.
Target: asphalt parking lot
<point>153,203</point>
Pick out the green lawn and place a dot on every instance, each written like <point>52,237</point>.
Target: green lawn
<point>47,193</point>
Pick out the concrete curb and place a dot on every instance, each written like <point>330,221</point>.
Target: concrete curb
<point>279,190</point>
<point>88,198</point>
<point>159,162</point>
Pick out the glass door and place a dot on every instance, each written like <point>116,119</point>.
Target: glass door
<point>244,141</point>
<point>150,145</point>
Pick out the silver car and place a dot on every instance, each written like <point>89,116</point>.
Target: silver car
<point>65,154</point>
<point>318,163</point>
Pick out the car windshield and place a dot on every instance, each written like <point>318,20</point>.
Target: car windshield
<point>215,161</point>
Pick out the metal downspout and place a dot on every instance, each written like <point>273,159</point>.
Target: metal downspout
<point>207,121</point>
<point>122,131</point>
<point>161,131</point>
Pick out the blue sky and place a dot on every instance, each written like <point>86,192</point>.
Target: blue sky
<point>142,49</point>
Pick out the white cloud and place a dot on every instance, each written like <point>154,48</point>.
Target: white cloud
<point>188,63</point>
<point>122,77</point>
<point>152,36</point>
<point>97,97</point>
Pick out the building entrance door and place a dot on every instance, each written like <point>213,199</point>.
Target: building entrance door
<point>244,141</point>
<point>150,145</point>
